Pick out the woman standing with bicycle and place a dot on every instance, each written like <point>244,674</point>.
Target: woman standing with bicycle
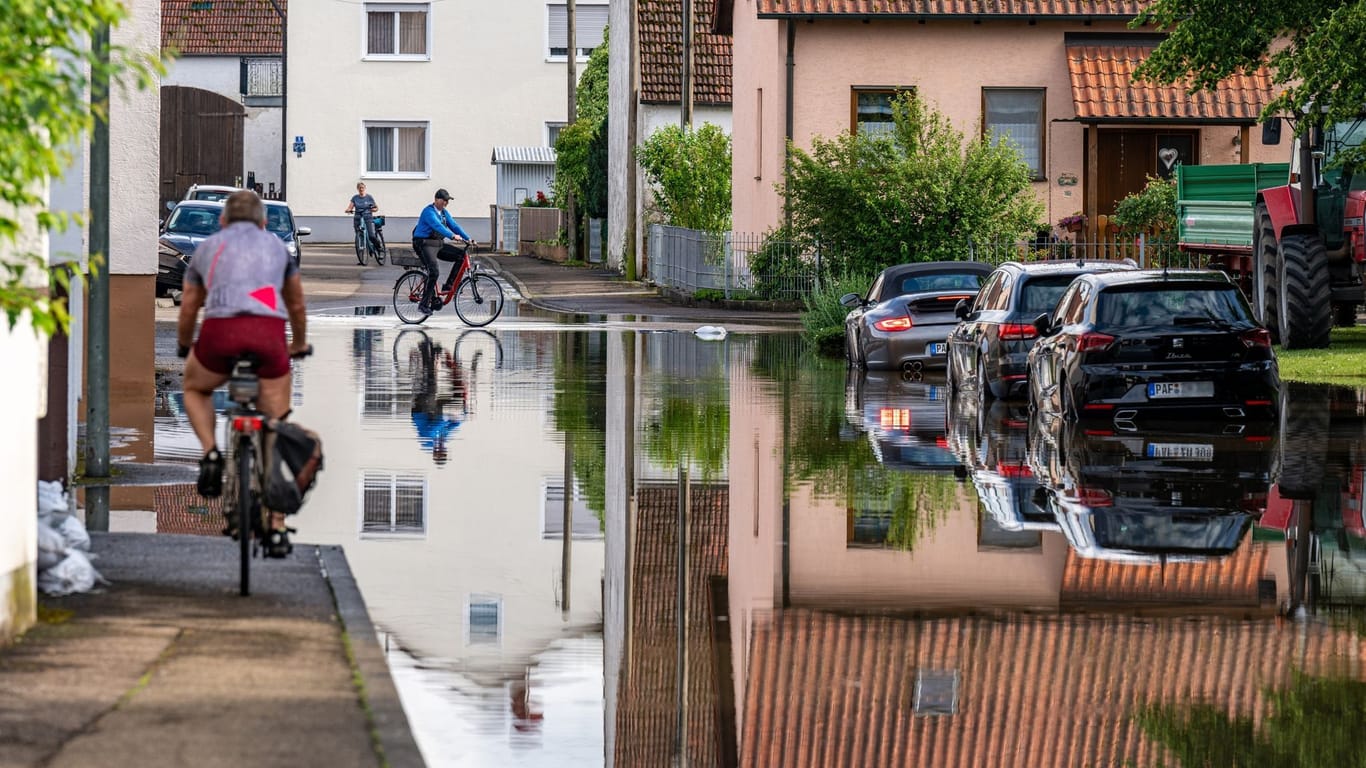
<point>248,285</point>
<point>363,209</point>
<point>434,225</point>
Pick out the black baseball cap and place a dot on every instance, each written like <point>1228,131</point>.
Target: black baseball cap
<point>442,194</point>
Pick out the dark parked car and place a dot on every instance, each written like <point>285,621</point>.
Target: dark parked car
<point>280,221</point>
<point>1163,493</point>
<point>991,440</point>
<point>189,223</point>
<point>902,322</point>
<point>986,351</point>
<point>1153,342</point>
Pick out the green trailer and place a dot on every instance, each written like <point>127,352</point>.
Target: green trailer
<point>1216,204</point>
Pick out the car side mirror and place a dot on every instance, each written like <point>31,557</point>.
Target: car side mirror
<point>851,301</point>
<point>961,310</point>
<point>303,231</point>
<point>1043,324</point>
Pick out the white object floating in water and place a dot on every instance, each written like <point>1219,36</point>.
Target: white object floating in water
<point>711,332</point>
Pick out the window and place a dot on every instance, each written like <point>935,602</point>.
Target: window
<point>1017,113</point>
<point>396,149</point>
<point>395,31</point>
<point>936,691</point>
<point>552,135</point>
<point>484,620</point>
<point>589,23</point>
<point>584,524</point>
<point>871,109</point>
<point>393,503</point>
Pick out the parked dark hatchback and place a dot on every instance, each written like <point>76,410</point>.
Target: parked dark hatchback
<point>987,349</point>
<point>1153,342</point>
<point>189,224</point>
<point>902,322</point>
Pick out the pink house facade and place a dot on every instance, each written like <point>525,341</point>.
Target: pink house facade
<point>1055,76</point>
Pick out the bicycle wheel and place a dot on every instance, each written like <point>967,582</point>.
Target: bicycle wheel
<point>479,299</point>
<point>360,246</point>
<point>408,297</point>
<point>381,250</point>
<point>244,523</point>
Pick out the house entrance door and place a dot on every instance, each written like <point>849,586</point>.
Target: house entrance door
<point>1127,157</point>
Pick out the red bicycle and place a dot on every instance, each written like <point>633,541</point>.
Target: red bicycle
<point>477,295</point>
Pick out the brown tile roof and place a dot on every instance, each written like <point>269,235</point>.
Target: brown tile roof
<point>1103,88</point>
<point>661,54</point>
<point>180,509</point>
<point>1231,580</point>
<point>647,711</point>
<point>942,8</point>
<point>221,27</point>
<point>832,691</point>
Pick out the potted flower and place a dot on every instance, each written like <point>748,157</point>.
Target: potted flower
<point>1073,223</point>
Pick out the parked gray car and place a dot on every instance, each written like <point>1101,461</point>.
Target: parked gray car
<point>902,323</point>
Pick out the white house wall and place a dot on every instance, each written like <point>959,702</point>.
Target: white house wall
<point>134,147</point>
<point>261,127</point>
<point>488,83</point>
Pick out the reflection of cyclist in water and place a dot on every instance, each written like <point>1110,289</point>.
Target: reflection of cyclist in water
<point>430,417</point>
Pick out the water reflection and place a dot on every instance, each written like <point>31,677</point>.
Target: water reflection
<point>647,549</point>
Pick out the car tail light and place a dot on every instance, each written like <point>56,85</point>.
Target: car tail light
<point>1257,337</point>
<point>1018,331</point>
<point>1094,497</point>
<point>1099,432</point>
<point>1013,470</point>
<point>894,324</point>
<point>894,418</point>
<point>1090,341</point>
<point>1256,403</point>
<point>1253,502</point>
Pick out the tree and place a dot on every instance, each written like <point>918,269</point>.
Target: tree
<point>580,163</point>
<point>46,68</point>
<point>919,192</point>
<point>1312,48</point>
<point>690,171</point>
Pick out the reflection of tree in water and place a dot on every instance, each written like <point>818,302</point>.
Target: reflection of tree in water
<point>838,462</point>
<point>693,430</point>
<point>580,413</point>
<point>1316,721</point>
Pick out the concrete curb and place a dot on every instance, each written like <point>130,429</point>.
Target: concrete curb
<point>386,709</point>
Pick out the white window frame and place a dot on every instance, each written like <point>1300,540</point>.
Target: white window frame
<point>365,127</point>
<point>578,25</point>
<point>412,479</point>
<point>395,8</point>
<point>553,127</point>
<point>496,600</point>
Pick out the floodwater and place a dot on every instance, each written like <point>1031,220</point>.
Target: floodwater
<point>873,573</point>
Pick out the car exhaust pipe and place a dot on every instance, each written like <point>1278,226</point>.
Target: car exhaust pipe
<point>912,366</point>
<point>1233,413</point>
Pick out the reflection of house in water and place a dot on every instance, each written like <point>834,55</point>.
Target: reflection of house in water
<point>460,562</point>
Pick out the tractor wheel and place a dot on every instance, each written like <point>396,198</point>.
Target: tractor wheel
<point>1264,300</point>
<point>1304,292</point>
<point>1305,420</point>
<point>1344,314</point>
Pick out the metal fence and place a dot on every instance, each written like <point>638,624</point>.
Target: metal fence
<point>732,264</point>
<point>1145,252</point>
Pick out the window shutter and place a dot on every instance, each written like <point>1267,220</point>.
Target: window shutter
<point>559,26</point>
<point>590,21</point>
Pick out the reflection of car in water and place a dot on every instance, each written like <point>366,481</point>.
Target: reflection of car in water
<point>991,441</point>
<point>1170,492</point>
<point>903,416</point>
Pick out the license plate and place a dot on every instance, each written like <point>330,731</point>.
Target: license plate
<point>1193,451</point>
<point>1165,389</point>
<point>936,348</point>
<point>934,393</point>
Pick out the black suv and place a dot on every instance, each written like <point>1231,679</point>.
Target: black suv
<point>987,349</point>
<point>1153,341</point>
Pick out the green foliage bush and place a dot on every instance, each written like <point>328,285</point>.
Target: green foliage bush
<point>581,148</point>
<point>823,319</point>
<point>1151,210</point>
<point>690,172</point>
<point>917,193</point>
<point>779,268</point>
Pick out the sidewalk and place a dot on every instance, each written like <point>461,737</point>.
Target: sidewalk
<point>168,666</point>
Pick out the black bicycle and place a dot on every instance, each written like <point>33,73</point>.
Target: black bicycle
<point>245,474</point>
<point>375,248</point>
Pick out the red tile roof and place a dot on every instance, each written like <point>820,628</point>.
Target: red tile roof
<point>661,54</point>
<point>180,509</point>
<point>832,691</point>
<point>1103,88</point>
<point>647,711</point>
<point>221,27</point>
<point>1231,580</point>
<point>943,8</point>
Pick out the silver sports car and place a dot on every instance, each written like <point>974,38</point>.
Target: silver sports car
<point>907,314</point>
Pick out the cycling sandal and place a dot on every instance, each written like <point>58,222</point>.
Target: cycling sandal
<point>210,483</point>
<point>277,543</point>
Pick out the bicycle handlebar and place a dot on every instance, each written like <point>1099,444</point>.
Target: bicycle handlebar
<point>300,355</point>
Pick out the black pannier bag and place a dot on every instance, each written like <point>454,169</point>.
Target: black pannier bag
<point>294,456</point>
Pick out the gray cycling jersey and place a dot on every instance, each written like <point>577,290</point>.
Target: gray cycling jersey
<point>243,268</point>
<point>363,205</point>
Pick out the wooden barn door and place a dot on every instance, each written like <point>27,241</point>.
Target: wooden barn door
<point>201,141</point>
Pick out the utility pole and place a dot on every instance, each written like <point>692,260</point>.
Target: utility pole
<point>685,88</point>
<point>571,61</point>
<point>97,332</point>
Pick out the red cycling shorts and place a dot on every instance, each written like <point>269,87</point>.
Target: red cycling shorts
<point>223,339</point>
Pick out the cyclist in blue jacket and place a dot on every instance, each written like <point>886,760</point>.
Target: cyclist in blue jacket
<point>434,225</point>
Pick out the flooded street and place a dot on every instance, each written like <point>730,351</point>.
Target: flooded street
<point>872,571</point>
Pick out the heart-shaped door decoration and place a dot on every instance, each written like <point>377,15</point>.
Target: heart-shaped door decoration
<point>1168,156</point>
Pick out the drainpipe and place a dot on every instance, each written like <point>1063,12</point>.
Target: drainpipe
<point>787,155</point>
<point>284,91</point>
<point>97,329</point>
